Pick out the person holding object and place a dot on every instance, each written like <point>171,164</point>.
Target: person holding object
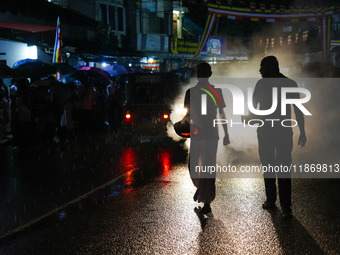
<point>204,136</point>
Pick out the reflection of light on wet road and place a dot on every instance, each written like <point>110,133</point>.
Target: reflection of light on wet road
<point>128,182</point>
<point>129,178</point>
<point>157,220</point>
<point>246,184</point>
<point>239,224</point>
<point>164,158</point>
<point>128,158</point>
<point>129,163</point>
<point>124,185</point>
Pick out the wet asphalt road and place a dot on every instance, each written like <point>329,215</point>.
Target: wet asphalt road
<point>149,209</point>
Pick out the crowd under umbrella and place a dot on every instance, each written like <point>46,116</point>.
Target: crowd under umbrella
<point>67,78</point>
<point>35,70</point>
<point>58,89</point>
<point>6,71</point>
<point>24,61</point>
<point>86,75</point>
<point>95,70</point>
<point>45,83</point>
<point>137,69</point>
<point>115,70</point>
<point>64,68</point>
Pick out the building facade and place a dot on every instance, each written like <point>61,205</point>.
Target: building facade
<point>131,32</point>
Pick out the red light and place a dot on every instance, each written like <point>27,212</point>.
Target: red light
<point>166,116</point>
<point>128,116</point>
<point>164,158</point>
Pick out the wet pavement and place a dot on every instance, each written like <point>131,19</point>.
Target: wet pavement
<point>144,205</point>
<point>44,176</point>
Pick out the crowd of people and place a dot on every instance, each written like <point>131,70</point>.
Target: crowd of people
<point>48,110</point>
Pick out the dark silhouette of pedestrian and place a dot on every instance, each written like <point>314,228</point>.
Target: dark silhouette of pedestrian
<point>4,115</point>
<point>114,104</point>
<point>204,136</point>
<point>275,141</point>
<point>24,126</point>
<point>84,104</point>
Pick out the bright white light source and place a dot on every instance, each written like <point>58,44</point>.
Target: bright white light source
<point>130,64</point>
<point>31,52</point>
<point>104,64</point>
<point>150,60</point>
<point>183,110</point>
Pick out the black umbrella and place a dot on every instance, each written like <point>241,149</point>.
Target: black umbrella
<point>23,61</point>
<point>35,70</point>
<point>6,71</point>
<point>86,76</point>
<point>64,68</point>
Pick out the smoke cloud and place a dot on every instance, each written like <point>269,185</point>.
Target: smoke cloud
<point>323,139</point>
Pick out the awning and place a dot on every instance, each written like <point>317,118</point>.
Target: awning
<point>26,27</point>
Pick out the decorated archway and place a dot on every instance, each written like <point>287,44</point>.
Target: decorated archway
<point>322,15</point>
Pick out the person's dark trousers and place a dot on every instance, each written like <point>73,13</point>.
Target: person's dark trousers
<point>270,188</point>
<point>203,153</point>
<point>285,192</point>
<point>275,148</point>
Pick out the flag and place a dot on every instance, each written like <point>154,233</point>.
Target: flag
<point>289,39</point>
<point>207,32</point>
<point>209,26</point>
<point>304,36</point>
<point>57,58</point>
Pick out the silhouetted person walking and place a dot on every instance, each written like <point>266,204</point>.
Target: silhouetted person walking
<point>204,136</point>
<point>275,141</point>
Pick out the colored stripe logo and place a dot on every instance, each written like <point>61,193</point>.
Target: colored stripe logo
<point>210,94</point>
<point>206,91</point>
